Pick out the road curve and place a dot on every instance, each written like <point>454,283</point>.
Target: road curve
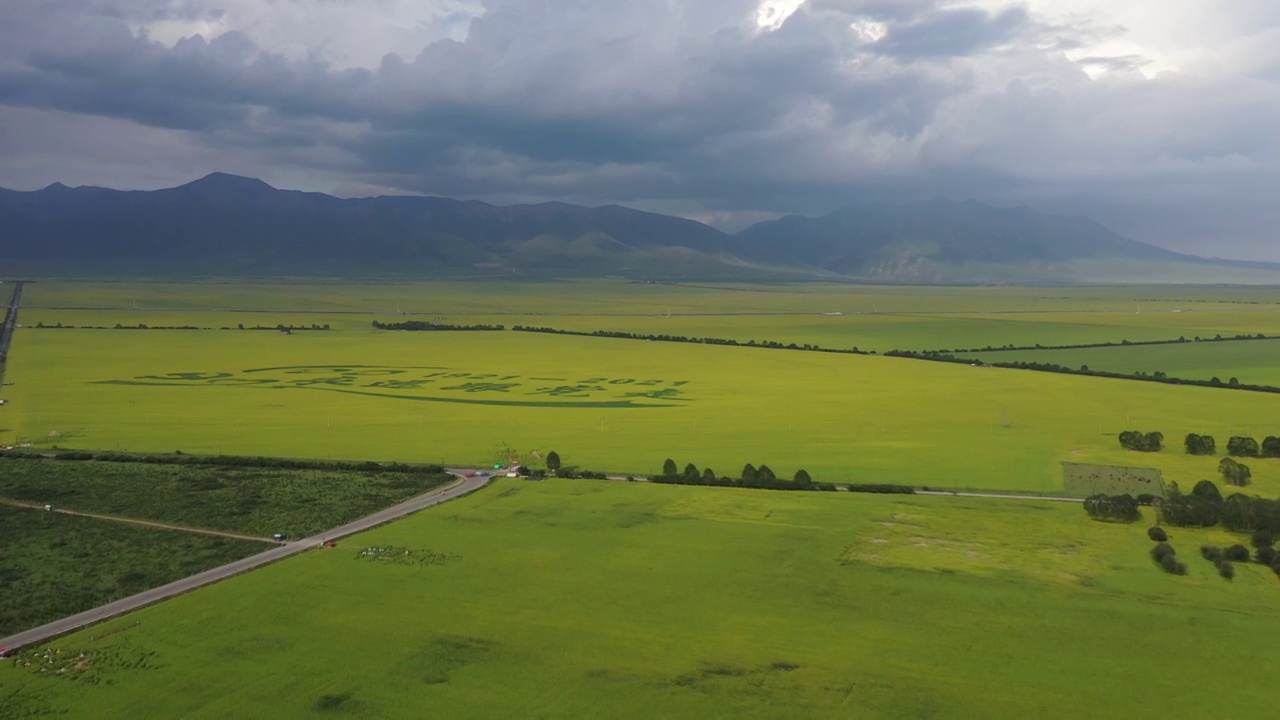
<point>75,622</point>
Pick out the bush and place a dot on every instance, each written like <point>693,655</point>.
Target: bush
<point>1158,534</point>
<point>1263,538</point>
<point>1122,508</point>
<point>1161,551</point>
<point>1172,566</point>
<point>1265,555</point>
<point>1211,553</point>
<point>1226,570</point>
<point>1201,444</point>
<point>1243,447</point>
<point>1238,553</point>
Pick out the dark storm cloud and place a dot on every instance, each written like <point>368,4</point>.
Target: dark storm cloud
<point>660,103</point>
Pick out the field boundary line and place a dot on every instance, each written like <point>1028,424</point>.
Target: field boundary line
<point>135,521</point>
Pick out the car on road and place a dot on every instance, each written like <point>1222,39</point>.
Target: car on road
<point>471,473</point>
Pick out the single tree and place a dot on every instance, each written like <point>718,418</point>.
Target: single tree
<point>1265,555</point>
<point>1200,444</point>
<point>765,474</point>
<point>1243,447</point>
<point>691,473</point>
<point>749,474</point>
<point>1207,490</point>
<point>1235,473</point>
<point>802,477</point>
<point>553,461</point>
<point>708,476</point>
<point>669,468</point>
<point>1153,442</point>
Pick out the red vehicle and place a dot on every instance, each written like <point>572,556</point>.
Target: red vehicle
<point>471,473</point>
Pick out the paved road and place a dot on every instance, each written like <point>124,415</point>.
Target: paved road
<point>11,320</point>
<point>1000,496</point>
<point>135,521</point>
<point>154,595</point>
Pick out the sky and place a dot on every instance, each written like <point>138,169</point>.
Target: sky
<point>1156,117</point>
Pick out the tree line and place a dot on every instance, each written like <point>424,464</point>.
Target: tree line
<point>771,344</point>
<point>143,326</point>
<point>1157,376</point>
<point>1142,442</point>
<point>1112,508</point>
<point>1244,446</point>
<point>1122,343</point>
<point>1204,506</point>
<point>179,458</point>
<point>763,477</point>
<point>423,325</point>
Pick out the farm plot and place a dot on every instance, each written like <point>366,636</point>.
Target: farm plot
<point>55,565</point>
<point>1254,362</point>
<point>252,500</point>
<point>616,405</point>
<point>572,598</point>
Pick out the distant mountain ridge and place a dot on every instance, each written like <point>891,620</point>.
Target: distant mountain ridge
<point>229,225</point>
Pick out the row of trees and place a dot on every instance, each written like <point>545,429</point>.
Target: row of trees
<point>422,325</point>
<point>143,326</point>
<point>1244,446</point>
<point>1122,343</point>
<point>772,344</point>
<point>1142,442</point>
<point>1167,558</point>
<point>764,478</point>
<point>1204,506</point>
<point>1112,508</point>
<point>179,458</point>
<point>1156,376</point>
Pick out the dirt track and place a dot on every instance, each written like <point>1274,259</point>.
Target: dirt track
<point>99,614</point>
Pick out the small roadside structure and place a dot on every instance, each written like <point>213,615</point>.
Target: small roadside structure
<point>278,537</point>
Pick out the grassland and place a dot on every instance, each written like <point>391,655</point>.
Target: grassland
<point>253,501</point>
<point>486,395</point>
<point>55,565</point>
<point>580,598</point>
<point>872,317</point>
<point>589,599</point>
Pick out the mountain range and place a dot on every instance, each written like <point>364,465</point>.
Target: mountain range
<point>229,225</point>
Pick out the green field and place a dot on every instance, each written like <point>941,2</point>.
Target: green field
<point>611,599</point>
<point>872,317</point>
<point>55,565</point>
<point>1253,362</point>
<point>615,405</point>
<point>250,500</point>
<point>592,599</point>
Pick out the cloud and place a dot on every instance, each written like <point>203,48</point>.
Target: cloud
<point>725,109</point>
